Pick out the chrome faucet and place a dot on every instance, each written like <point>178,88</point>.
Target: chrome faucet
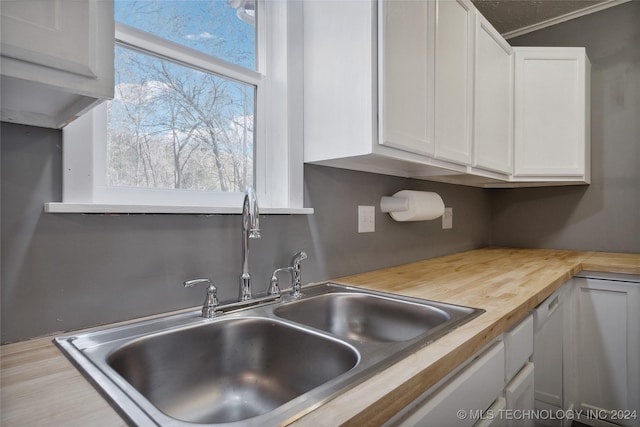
<point>250,230</point>
<point>296,273</point>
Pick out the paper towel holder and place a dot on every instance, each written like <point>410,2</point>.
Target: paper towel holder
<point>394,204</point>
<point>412,205</point>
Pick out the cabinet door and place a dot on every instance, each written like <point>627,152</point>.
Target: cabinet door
<point>57,59</point>
<point>494,416</point>
<point>454,80</point>
<point>461,393</point>
<point>552,113</point>
<point>608,353</point>
<point>518,343</point>
<point>493,104</point>
<point>519,396</point>
<point>406,55</point>
<point>339,79</point>
<point>52,33</point>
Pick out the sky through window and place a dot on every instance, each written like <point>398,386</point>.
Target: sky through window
<point>172,126</point>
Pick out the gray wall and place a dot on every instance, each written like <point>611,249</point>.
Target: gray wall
<point>605,216</point>
<point>69,271</point>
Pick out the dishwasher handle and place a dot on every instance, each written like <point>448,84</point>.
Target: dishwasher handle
<point>545,310</point>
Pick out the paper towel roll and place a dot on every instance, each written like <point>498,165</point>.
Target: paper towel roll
<point>409,205</point>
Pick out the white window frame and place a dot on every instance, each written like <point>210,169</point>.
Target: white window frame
<point>278,160</point>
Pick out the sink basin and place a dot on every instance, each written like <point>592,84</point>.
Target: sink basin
<point>230,370</point>
<point>364,317</point>
<point>265,365</point>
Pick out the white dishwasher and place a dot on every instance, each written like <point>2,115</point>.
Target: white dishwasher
<point>549,351</point>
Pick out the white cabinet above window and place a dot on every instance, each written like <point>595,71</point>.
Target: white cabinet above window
<point>56,59</point>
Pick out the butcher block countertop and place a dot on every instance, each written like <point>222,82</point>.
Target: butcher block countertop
<point>39,387</point>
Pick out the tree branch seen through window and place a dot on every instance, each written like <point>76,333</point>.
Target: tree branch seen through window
<point>172,126</point>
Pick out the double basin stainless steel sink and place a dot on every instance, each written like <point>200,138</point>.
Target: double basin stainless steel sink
<point>264,365</point>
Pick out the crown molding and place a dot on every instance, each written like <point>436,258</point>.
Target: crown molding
<point>563,18</point>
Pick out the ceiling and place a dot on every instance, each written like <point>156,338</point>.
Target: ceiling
<point>509,16</point>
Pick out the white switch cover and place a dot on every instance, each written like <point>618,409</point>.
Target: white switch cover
<point>366,219</point>
<point>447,218</point>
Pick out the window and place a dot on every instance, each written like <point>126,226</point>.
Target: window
<point>205,104</point>
<point>171,126</point>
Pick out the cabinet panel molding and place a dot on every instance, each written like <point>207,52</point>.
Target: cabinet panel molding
<point>454,80</point>
<point>406,37</point>
<point>608,355</point>
<point>493,101</point>
<point>57,59</point>
<point>552,117</point>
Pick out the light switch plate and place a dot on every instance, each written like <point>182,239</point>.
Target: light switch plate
<point>447,218</point>
<point>366,219</point>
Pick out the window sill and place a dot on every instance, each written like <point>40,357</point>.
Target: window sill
<point>93,208</point>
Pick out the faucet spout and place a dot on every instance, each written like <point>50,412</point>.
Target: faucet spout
<point>250,230</point>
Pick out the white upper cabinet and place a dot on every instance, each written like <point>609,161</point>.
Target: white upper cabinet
<point>57,59</point>
<point>368,86</point>
<point>493,102</point>
<point>406,75</point>
<point>552,114</point>
<point>339,79</point>
<point>454,80</point>
<point>430,90</point>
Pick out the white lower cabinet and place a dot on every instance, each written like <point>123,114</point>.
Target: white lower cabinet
<point>608,357</point>
<point>471,391</point>
<point>519,398</point>
<point>476,395</point>
<point>584,345</point>
<point>493,418</point>
<point>519,374</point>
<point>587,352</point>
<point>519,344</point>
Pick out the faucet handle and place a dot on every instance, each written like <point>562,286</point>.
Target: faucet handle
<point>298,258</point>
<point>274,289</point>
<point>210,301</point>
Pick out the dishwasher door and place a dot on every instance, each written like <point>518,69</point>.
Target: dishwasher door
<point>551,322</point>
